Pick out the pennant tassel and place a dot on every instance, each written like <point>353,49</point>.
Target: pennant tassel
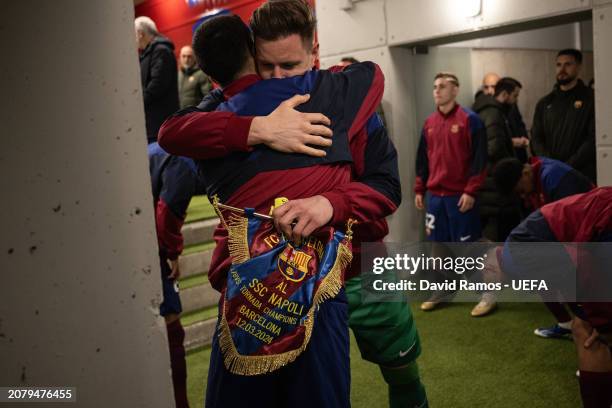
<point>237,227</point>
<point>237,239</point>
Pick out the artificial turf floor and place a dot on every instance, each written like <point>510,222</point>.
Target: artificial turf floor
<point>495,361</point>
<point>199,209</point>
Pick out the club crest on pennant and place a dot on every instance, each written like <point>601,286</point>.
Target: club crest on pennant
<point>293,264</point>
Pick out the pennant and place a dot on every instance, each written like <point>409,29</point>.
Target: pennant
<point>274,288</point>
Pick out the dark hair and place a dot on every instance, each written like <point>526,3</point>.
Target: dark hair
<point>449,76</point>
<point>350,60</point>
<point>573,52</point>
<point>507,84</point>
<point>277,19</point>
<point>223,45</point>
<point>506,174</point>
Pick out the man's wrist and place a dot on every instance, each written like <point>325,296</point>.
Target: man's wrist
<point>257,132</point>
<point>340,210</point>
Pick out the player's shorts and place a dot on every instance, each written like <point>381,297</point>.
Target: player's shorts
<point>445,223</point>
<point>385,331</point>
<point>172,302</point>
<point>319,377</point>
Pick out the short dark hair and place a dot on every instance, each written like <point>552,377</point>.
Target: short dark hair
<point>573,52</point>
<point>449,76</point>
<point>507,84</point>
<point>506,174</point>
<point>223,46</point>
<point>277,19</point>
<point>350,60</point>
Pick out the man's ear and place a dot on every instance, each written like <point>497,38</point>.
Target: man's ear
<point>455,90</point>
<point>315,50</point>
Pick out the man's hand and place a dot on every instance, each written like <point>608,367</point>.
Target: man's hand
<point>593,353</point>
<point>418,201</point>
<point>174,266</point>
<point>290,131</point>
<point>308,214</point>
<point>520,142</point>
<point>466,202</point>
<point>591,339</point>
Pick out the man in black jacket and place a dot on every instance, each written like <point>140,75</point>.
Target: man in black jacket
<point>158,74</point>
<point>564,120</point>
<point>493,109</point>
<point>499,214</point>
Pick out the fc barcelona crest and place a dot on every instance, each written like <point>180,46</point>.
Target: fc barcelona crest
<point>455,128</point>
<point>578,104</point>
<point>293,264</point>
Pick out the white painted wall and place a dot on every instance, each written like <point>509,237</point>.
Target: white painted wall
<point>574,35</point>
<point>416,20</point>
<point>81,282</point>
<point>602,33</point>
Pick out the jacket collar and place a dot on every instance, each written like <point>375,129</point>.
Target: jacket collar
<point>240,85</point>
<point>450,113</point>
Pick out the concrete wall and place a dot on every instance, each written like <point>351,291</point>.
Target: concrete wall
<point>80,287</point>
<point>577,35</point>
<point>602,32</point>
<point>420,20</point>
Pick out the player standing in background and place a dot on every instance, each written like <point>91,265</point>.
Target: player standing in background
<point>450,168</point>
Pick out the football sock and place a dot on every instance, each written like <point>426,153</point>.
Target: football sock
<point>176,336</point>
<point>596,389</point>
<point>405,387</point>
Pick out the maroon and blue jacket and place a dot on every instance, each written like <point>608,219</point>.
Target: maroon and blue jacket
<point>452,154</point>
<point>554,180</point>
<point>578,218</point>
<point>358,175</point>
<point>174,180</point>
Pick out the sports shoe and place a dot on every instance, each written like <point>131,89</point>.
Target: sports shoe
<point>553,332</point>
<point>429,305</point>
<point>486,305</point>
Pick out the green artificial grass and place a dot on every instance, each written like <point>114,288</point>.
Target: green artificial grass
<point>494,361</point>
<point>197,372</point>
<point>199,209</point>
<point>192,249</point>
<point>199,315</point>
<point>192,281</point>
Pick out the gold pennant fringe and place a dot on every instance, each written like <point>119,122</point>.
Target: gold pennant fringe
<point>237,238</point>
<point>237,230</point>
<point>215,203</point>
<point>257,365</point>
